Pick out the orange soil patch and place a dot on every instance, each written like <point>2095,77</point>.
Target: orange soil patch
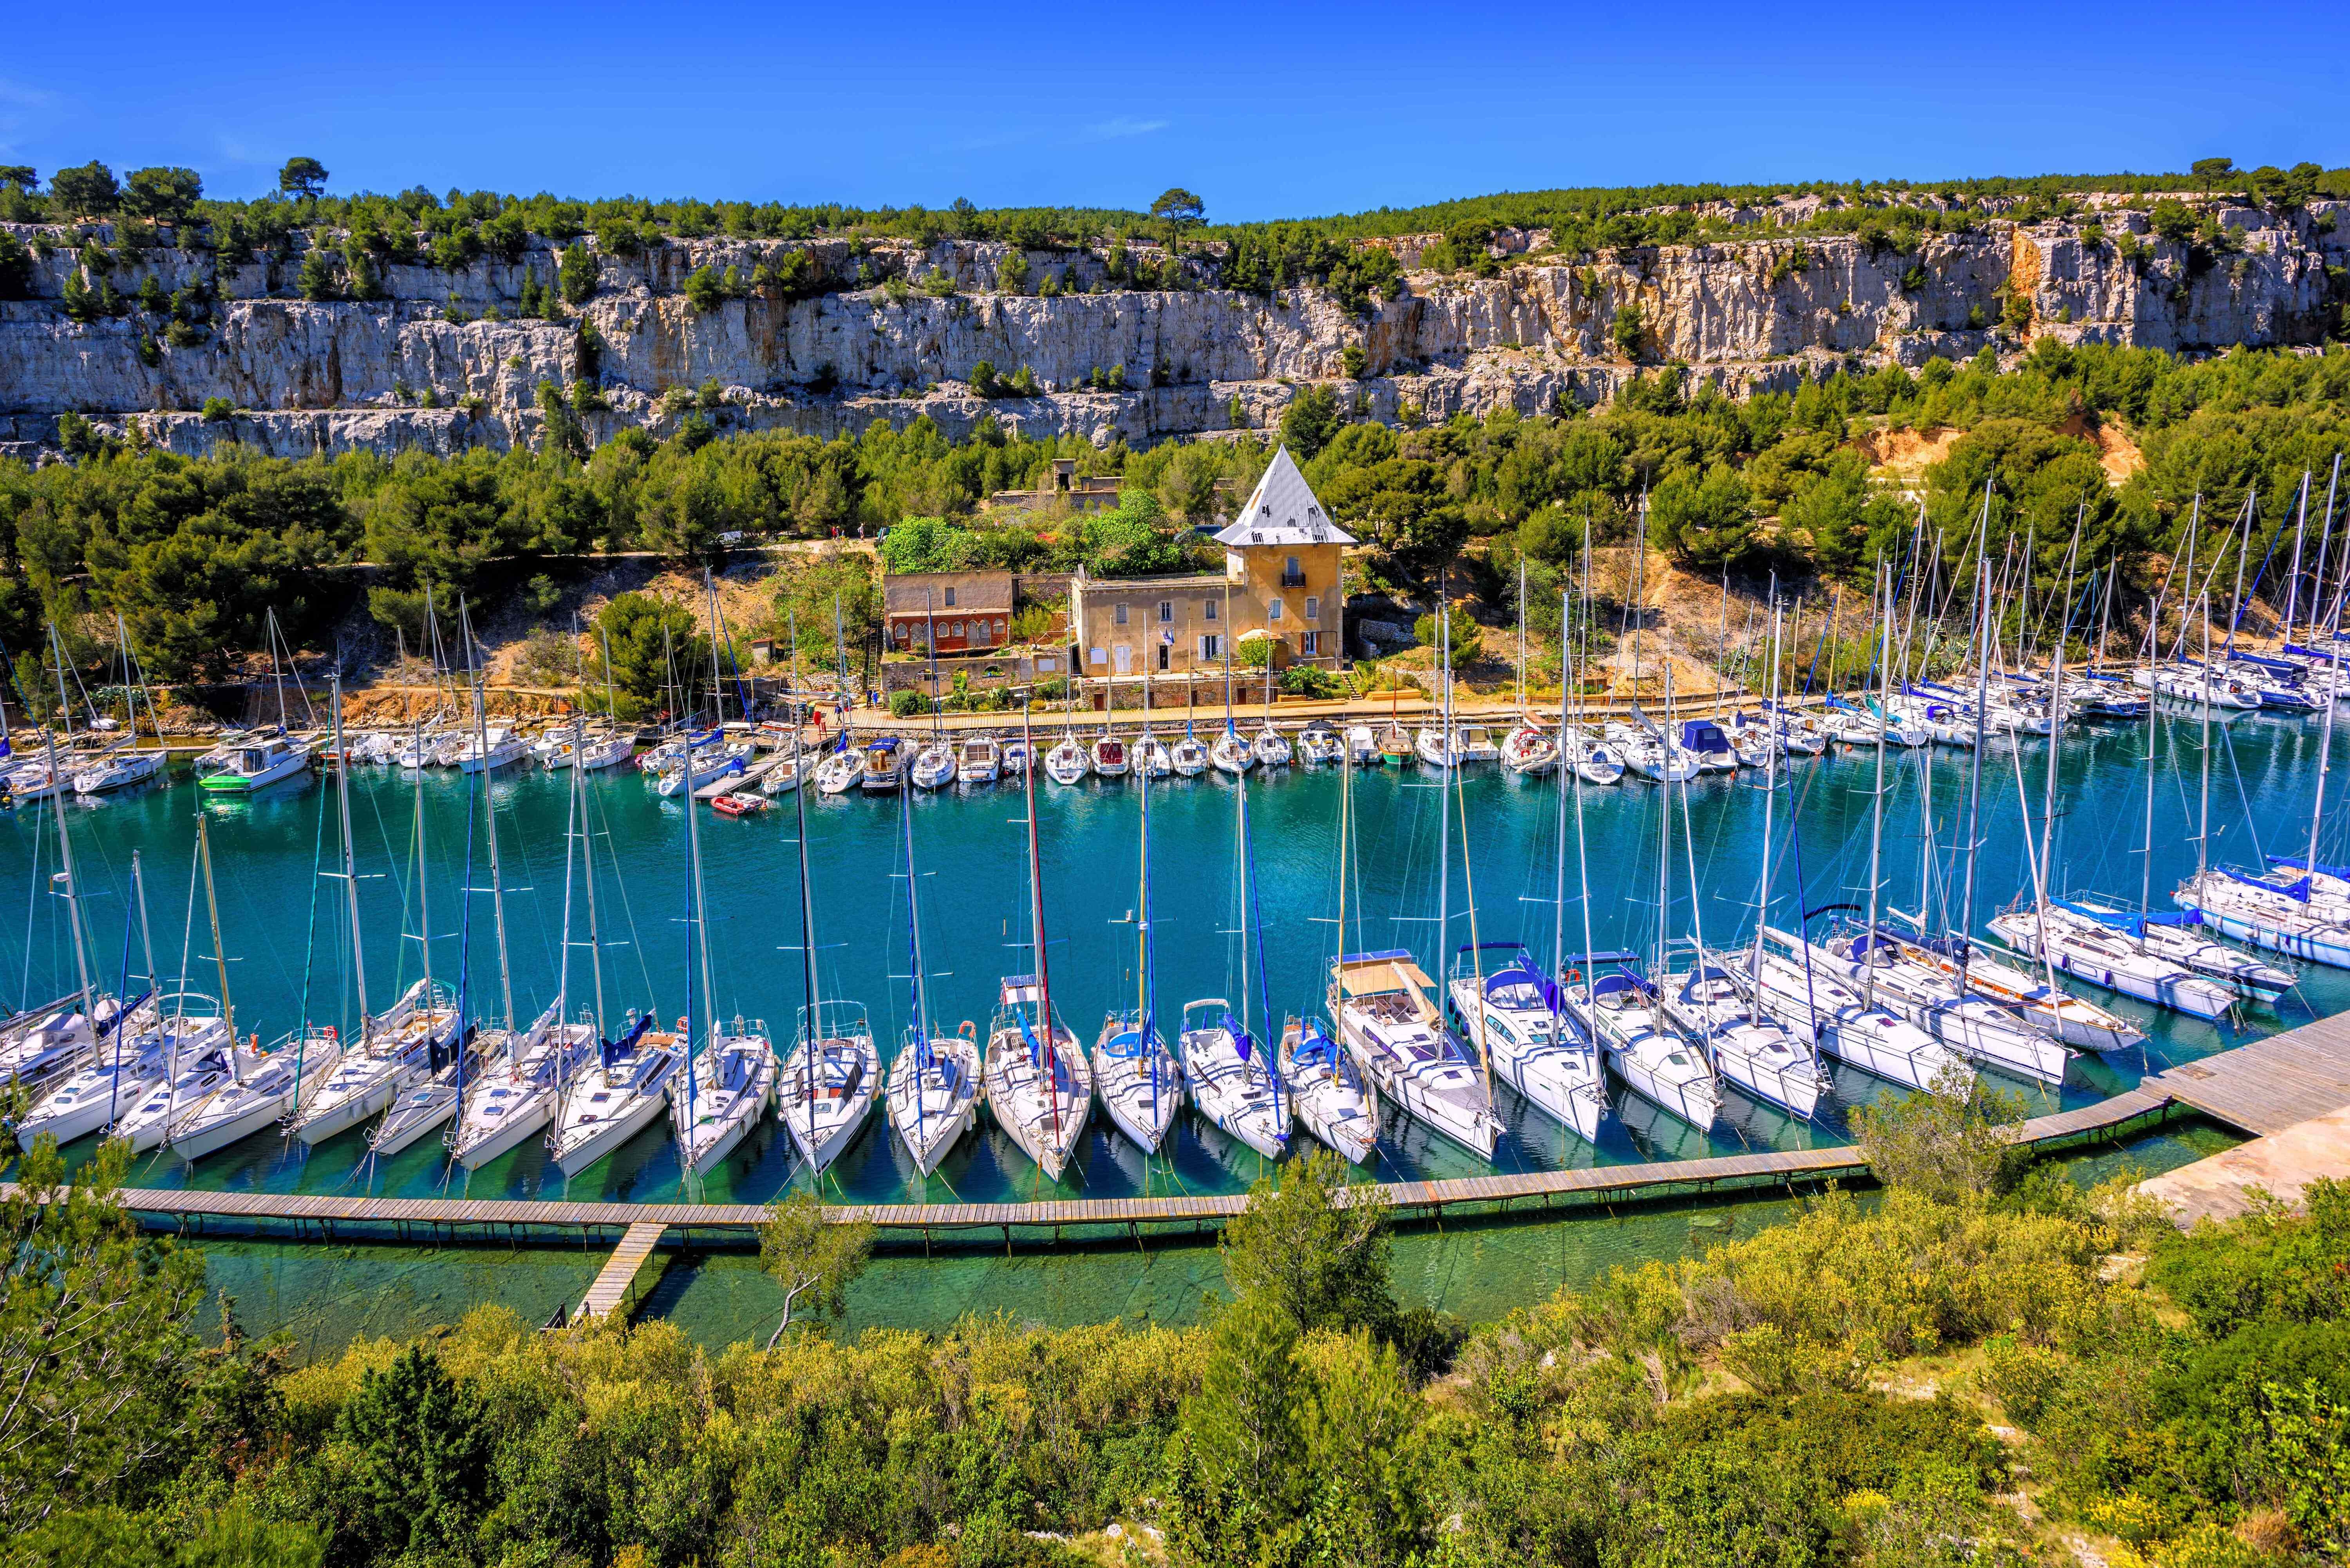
<point>1906,454</point>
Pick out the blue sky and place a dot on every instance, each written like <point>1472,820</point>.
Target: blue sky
<point>1265,111</point>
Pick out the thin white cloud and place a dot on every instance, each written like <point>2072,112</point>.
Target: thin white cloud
<point>1120,128</point>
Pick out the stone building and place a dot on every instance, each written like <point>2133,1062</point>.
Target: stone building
<point>1281,580</point>
<point>1063,487</point>
<point>970,610</point>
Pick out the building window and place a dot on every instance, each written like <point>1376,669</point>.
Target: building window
<point>1291,576</point>
<point>1098,655</point>
<point>1165,612</point>
<point>1212,646</point>
<point>1118,616</point>
<point>1165,653</point>
<point>999,626</point>
<point>1314,609</point>
<point>1208,611</point>
<point>955,630</point>
<point>1309,643</point>
<point>950,594</point>
<point>1272,609</point>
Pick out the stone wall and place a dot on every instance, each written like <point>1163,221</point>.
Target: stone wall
<point>328,376</point>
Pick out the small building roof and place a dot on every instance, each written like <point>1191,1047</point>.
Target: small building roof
<point>1282,510</point>
<point>976,593</point>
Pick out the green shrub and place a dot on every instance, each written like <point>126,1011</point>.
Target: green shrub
<point>906,703</point>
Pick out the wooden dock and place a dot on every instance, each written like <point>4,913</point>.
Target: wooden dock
<point>625,1277</point>
<point>2269,1085</point>
<point>439,1220</point>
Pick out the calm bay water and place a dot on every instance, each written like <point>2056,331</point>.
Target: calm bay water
<point>970,855</point>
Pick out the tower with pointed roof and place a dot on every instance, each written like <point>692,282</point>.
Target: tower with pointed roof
<point>1281,580</point>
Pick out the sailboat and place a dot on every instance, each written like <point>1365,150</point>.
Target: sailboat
<point>1517,1013</point>
<point>513,1096</point>
<point>933,1091</point>
<point>1624,1010</point>
<point>1231,752</point>
<point>1748,1046</point>
<point>409,1040</point>
<point>834,1073</point>
<point>1325,1090</point>
<point>1039,1085</point>
<point>127,764</point>
<point>722,1089</point>
<point>1394,1030</point>
<point>1141,1087</point>
<point>261,1084</point>
<point>1232,1073</point>
<point>131,1053</point>
<point>934,765</point>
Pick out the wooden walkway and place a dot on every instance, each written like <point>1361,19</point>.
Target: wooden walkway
<point>2269,1085</point>
<point>2261,1087</point>
<point>328,1216</point>
<point>615,1290</point>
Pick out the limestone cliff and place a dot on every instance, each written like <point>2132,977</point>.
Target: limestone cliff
<point>426,365</point>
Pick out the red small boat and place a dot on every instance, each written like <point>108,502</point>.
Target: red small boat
<point>739,804</point>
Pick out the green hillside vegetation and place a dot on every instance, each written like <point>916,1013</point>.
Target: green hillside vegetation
<point>195,550</point>
<point>1971,1369</point>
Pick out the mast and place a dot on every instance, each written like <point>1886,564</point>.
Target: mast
<point>1876,841</point>
<point>698,929</point>
<point>1558,857</point>
<point>1769,791</point>
<point>2292,574</point>
<point>350,866</point>
<point>1146,986</point>
<point>1252,933</point>
<point>914,958</point>
<point>1444,797</point>
<point>1974,773</point>
<point>220,954</point>
<point>1052,1061</point>
<point>2324,751</point>
<point>65,840</point>
<point>489,815</point>
<point>423,897</point>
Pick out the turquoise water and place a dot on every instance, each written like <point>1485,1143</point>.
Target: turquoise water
<point>971,854</point>
<point>326,1296</point>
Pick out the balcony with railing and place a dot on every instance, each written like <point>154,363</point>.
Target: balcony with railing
<point>1293,579</point>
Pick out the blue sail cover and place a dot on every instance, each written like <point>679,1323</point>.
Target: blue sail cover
<point>1241,1044</point>
<point>124,1012</point>
<point>1035,1047</point>
<point>2130,920</point>
<point>2292,889</point>
<point>612,1051</point>
<point>1314,1046</point>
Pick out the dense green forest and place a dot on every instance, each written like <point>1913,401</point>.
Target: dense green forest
<point>1984,1365</point>
<point>193,551</point>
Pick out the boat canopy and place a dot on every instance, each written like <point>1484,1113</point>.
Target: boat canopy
<point>2128,919</point>
<point>1703,735</point>
<point>2299,889</point>
<point>2298,863</point>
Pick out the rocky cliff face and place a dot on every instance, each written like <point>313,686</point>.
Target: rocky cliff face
<point>425,367</point>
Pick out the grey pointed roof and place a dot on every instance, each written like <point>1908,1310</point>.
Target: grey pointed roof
<point>1282,510</point>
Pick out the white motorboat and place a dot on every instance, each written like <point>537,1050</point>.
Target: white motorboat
<point>1621,1010</point>
<point>884,768</point>
<point>2098,953</point>
<point>1231,755</point>
<point>2053,1012</point>
<point>259,1093</point>
<point>980,760</point>
<point>1110,760</point>
<point>1536,1046</point>
<point>1137,1076</point>
<point>1015,757</point>
<point>1190,757</point>
<point>118,770</point>
<point>1399,1044</point>
<point>724,1090</point>
<point>118,1074</point>
<point>1232,1079</point>
<point>1475,743</point>
<point>839,773</point>
<point>1706,740</point>
<point>933,1095</point>
<point>1327,1094</point>
<point>514,1096</point>
<point>1039,1088</point>
<point>2180,938</point>
<point>615,1096</point>
<point>1363,745</point>
<point>1435,749</point>
<point>257,766</point>
<point>1319,745</point>
<point>1593,761</point>
<point>1273,749</point>
<point>829,1081</point>
<point>784,776</point>
<point>1974,1025</point>
<point>2269,910</point>
<point>411,1040</point>
<point>1748,1047</point>
<point>1066,764</point>
<point>1816,1004</point>
<point>1530,750</point>
<point>934,766</point>
<point>495,747</point>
